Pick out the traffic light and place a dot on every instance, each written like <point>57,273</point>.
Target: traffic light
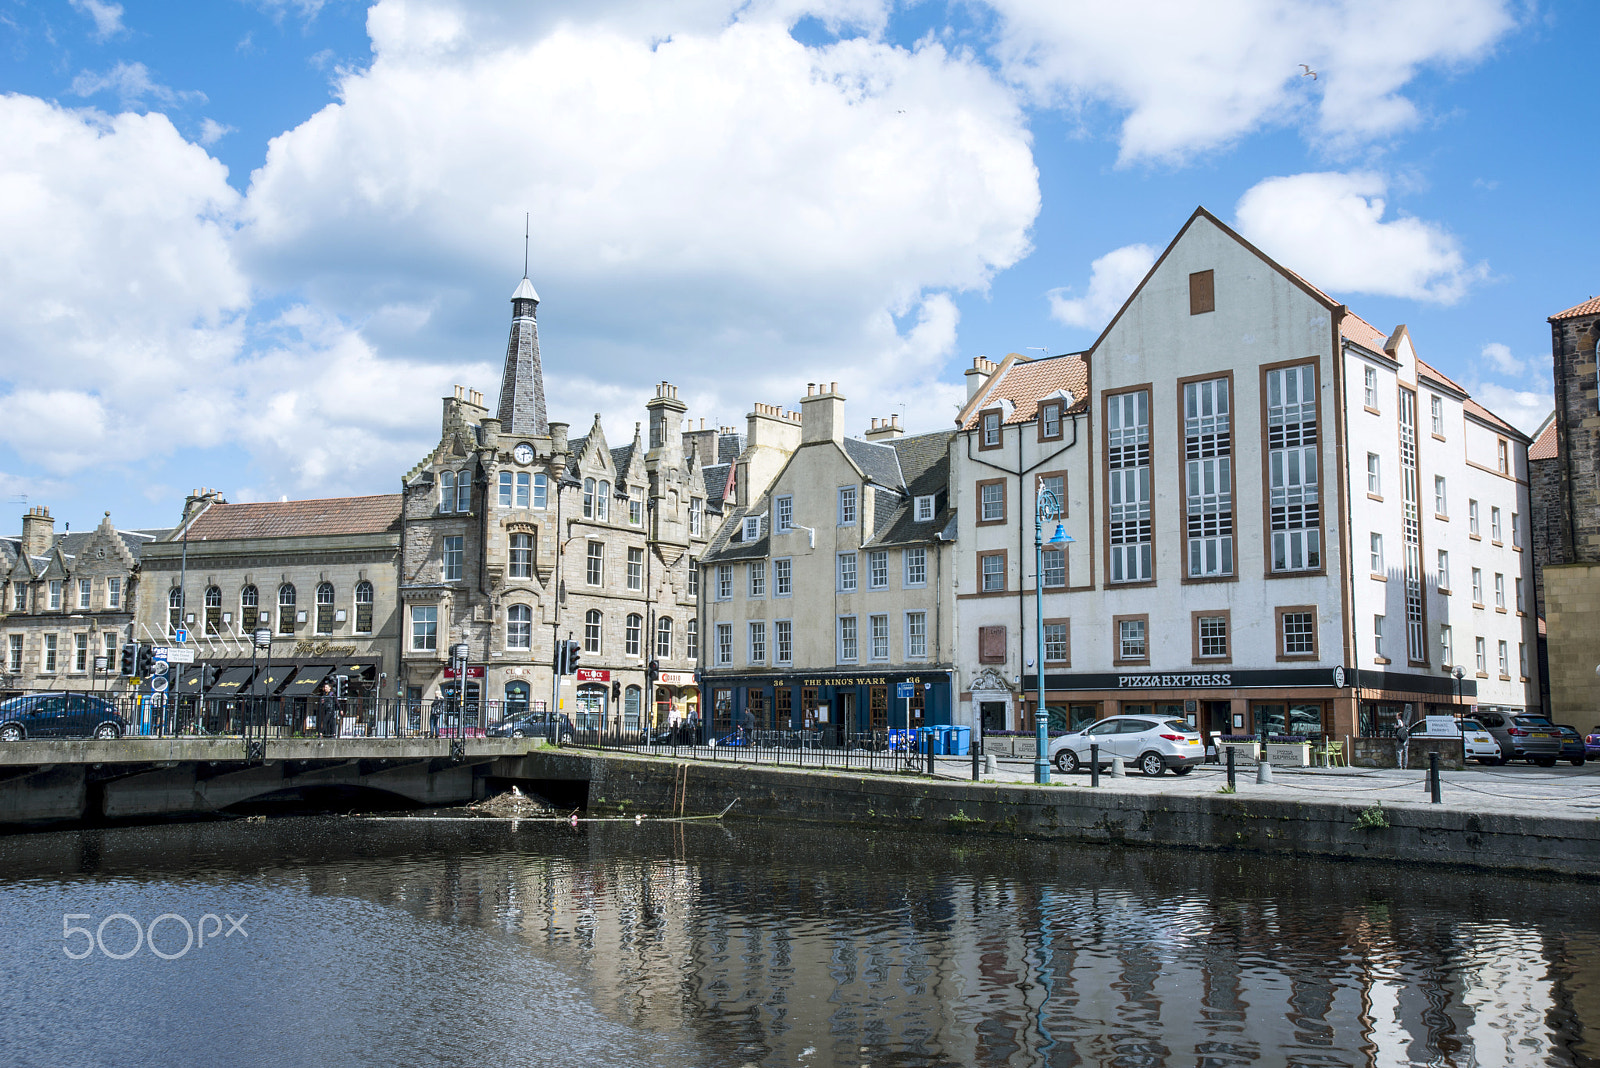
<point>146,659</point>
<point>561,658</point>
<point>572,657</point>
<point>652,672</point>
<point>130,658</point>
<point>209,674</point>
<point>616,690</point>
<point>338,686</point>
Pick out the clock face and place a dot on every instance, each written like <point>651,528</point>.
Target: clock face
<point>523,453</point>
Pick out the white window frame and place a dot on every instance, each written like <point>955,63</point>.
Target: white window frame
<point>783,641</point>
<point>1377,636</point>
<point>1370,388</point>
<point>1376,554</point>
<point>594,564</point>
<point>847,579</point>
<point>878,569</point>
<point>915,570</point>
<point>1133,640</point>
<point>849,501</point>
<point>1494,524</point>
<point>1447,651</point>
<point>635,568</point>
<point>1477,586</point>
<point>782,577</point>
<point>916,635</point>
<point>878,636</point>
<point>1480,650</point>
<point>782,514</point>
<point>752,528</point>
<point>724,582</point>
<point>848,640</point>
<point>85,592</point>
<point>519,630</point>
<point>452,557</point>
<point>1444,569</point>
<point>992,502</point>
<point>756,579</point>
<point>1472,518</point>
<point>424,627</point>
<point>924,509</point>
<point>1436,410</point>
<point>1374,474</point>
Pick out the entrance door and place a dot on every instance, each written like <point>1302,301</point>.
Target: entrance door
<point>847,711</point>
<point>992,714</point>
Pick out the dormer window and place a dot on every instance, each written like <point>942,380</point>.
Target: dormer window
<point>1050,421</point>
<point>752,527</point>
<point>990,430</point>
<point>447,491</point>
<point>924,508</point>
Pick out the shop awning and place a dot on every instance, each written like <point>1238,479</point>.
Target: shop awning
<point>307,680</point>
<point>232,682</point>
<point>271,679</point>
<point>186,679</point>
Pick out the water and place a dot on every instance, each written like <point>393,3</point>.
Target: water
<point>390,942</point>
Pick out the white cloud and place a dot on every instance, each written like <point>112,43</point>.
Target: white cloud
<point>1193,77</point>
<point>1524,409</point>
<point>1330,227</point>
<point>107,17</point>
<point>132,84</point>
<point>1112,278</point>
<point>1500,358</point>
<point>212,131</point>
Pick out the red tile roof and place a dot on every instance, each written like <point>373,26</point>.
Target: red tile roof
<point>1440,377</point>
<point>1024,382</point>
<point>1544,446</point>
<point>292,519</point>
<point>1588,307</point>
<point>1474,408</point>
<point>1362,332</point>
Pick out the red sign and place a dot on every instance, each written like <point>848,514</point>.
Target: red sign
<point>594,675</point>
<point>473,672</point>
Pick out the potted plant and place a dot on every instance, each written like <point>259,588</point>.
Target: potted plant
<point>1291,749</point>
<point>1244,746</point>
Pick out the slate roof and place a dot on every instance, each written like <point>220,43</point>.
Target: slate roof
<point>878,460</point>
<point>716,480</point>
<point>1025,382</point>
<point>291,519</point>
<point>71,543</point>
<point>925,464</point>
<point>1544,440</point>
<point>1588,307</point>
<point>621,457</point>
<point>729,446</point>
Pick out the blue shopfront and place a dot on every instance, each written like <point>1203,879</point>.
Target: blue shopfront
<point>852,703</point>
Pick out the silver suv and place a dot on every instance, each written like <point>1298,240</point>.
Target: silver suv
<point>1531,738</point>
<point>1150,743</point>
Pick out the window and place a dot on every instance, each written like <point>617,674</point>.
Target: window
<point>522,556</point>
<point>694,577</point>
<point>1128,467</point>
<point>174,608</point>
<point>1439,506</point>
<point>324,622</point>
<point>878,570</point>
<point>1477,586</point>
<point>636,512</point>
<point>663,638</point>
<point>990,423</point>
<point>1494,526</point>
<point>1520,608</point>
<point>878,626</point>
<point>453,552</point>
<point>992,645</point>
<point>424,627</point>
<point>991,572</point>
<point>14,654</point>
<point>447,491</point>
<point>1502,459</point>
<point>758,578</point>
<point>588,498</point>
<point>758,642</point>
<point>1411,530</point>
<point>783,639</point>
<point>55,595</point>
<point>1055,642</point>
<point>635,569</point>
<point>1377,554</point>
<point>1472,518</point>
<point>594,572</point>
<point>916,561</point>
<point>1056,486</point>
<point>1131,644</point>
<point>286,602</point>
<point>1505,660</point>
<point>110,649</point>
<point>592,623</point>
<point>114,585</point>
<point>697,512</point>
<point>916,635</point>
<point>19,601</point>
<point>1293,503</point>
<point>1436,407</point>
<point>1374,475</point>
<point>752,527</point>
<point>1208,477</point>
<point>1299,630</point>
<point>524,482</point>
<point>1202,292</point>
<point>992,501</point>
<point>924,509</point>
<point>1371,397</point>
<point>213,610</point>
<point>1522,659</point>
<point>1481,656</point>
<point>632,634</point>
<point>1055,567</point>
<point>1447,655</point>
<point>541,494</point>
<point>1212,638</point>
<point>848,653</point>
<point>249,608</point>
<point>691,639</point>
<point>782,577</point>
<point>519,627</point>
<point>80,652</point>
<point>847,506</point>
<point>783,514</point>
<point>85,587</point>
<point>463,491</point>
<point>49,664</point>
<point>1500,591</point>
<point>1050,421</point>
<point>724,643</point>
<point>847,572</point>
<point>1516,532</point>
<point>363,607</point>
<point>505,480</point>
<point>1444,570</point>
<point>602,501</point>
<point>724,582</point>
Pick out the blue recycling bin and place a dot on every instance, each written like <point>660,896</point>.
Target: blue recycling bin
<point>959,741</point>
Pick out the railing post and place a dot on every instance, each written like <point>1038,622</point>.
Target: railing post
<point>1433,776</point>
<point>1094,764</point>
<point>1229,748</point>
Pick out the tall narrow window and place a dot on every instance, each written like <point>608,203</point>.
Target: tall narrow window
<point>602,501</point>
<point>636,512</point>
<point>1411,529</point>
<point>114,590</point>
<point>286,608</point>
<point>363,607</point>
<point>916,635</point>
<point>523,480</point>
<point>691,639</point>
<point>1377,637</point>
<point>724,582</point>
<point>588,498</point>
<point>55,595</point>
<point>879,627</point>
<point>1472,519</point>
<point>878,570</point>
<point>592,621</point>
<point>249,609</point>
<point>454,550</point>
<point>80,652</point>
<point>505,489</point>
<point>594,569</point>
<point>1128,463</point>
<point>847,506</point>
<point>697,511</point>
<point>14,653</point>
<point>635,569</point>
<point>1374,474</point>
<point>847,572</point>
<point>1436,409</point>
<point>447,491</point>
<point>519,627</point>
<point>213,610</point>
<point>783,641</point>
<point>757,578</point>
<point>758,642</point>
<point>85,590</point>
<point>522,556</point>
<point>782,577</point>
<point>848,651</point>
<point>990,422</point>
<point>1202,292</point>
<point>50,650</point>
<point>1055,567</point>
<point>541,491</point>
<point>324,608</point>
<point>783,515</point>
<point>1494,526</point>
<point>1208,473</point>
<point>724,643</point>
<point>1377,554</point>
<point>632,633</point>
<point>1293,504</point>
<point>663,638</point>
<point>1500,591</point>
<point>694,577</point>
<point>916,559</point>
<point>1447,652</point>
<point>1370,397</point>
<point>1440,504</point>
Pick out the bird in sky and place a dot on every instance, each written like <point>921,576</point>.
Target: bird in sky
<point>1307,72</point>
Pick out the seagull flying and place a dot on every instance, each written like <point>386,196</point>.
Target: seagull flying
<point>1307,72</point>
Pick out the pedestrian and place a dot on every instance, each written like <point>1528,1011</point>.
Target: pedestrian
<point>1402,736</point>
<point>326,714</point>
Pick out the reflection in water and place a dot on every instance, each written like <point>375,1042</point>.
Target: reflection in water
<point>412,942</point>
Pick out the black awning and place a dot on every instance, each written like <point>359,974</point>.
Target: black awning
<point>272,679</point>
<point>232,682</point>
<point>308,679</point>
<point>186,678</point>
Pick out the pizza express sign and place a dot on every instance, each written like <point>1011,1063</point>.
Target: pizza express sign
<point>1299,678</point>
<point>1172,682</point>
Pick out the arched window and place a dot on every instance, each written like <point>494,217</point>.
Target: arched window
<point>286,608</point>
<point>464,492</point>
<point>663,638</point>
<point>519,627</point>
<point>249,609</point>
<point>213,610</point>
<point>602,502</point>
<point>516,699</point>
<point>591,631</point>
<point>631,635</point>
<point>174,608</point>
<point>447,491</point>
<point>588,498</point>
<point>522,556</point>
<point>364,607</point>
<point>325,608</point>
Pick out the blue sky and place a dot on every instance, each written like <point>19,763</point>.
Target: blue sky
<point>248,245</point>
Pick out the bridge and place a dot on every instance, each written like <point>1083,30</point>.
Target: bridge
<point>139,779</point>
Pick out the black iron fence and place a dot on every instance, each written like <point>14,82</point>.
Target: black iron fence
<point>882,750</point>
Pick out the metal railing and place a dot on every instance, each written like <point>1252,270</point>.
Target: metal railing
<point>880,750</point>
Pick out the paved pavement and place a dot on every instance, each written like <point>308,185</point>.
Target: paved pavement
<point>1512,789</point>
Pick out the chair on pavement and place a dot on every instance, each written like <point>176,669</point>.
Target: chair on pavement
<point>1331,754</point>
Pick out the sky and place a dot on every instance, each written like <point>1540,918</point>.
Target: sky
<point>250,244</point>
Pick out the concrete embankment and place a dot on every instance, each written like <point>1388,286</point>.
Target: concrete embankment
<point>1403,831</point>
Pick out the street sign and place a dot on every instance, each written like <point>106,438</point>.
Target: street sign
<point>158,683</point>
<point>158,668</point>
<point>180,656</point>
<point>160,652</point>
<point>903,690</point>
<point>180,635</point>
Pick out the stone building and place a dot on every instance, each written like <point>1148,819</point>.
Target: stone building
<point>515,536</point>
<point>1567,499</point>
<point>66,603</point>
<point>825,591</point>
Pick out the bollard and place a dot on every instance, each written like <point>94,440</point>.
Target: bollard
<point>977,743</point>
<point>930,752</point>
<point>1263,772</point>
<point>1230,768</point>
<point>991,765</point>
<point>1117,769</point>
<point>1433,777</point>
<point>1094,765</point>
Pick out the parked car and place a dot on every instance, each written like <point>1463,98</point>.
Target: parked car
<point>1591,745</point>
<point>1478,744</point>
<point>1522,737</point>
<point>59,715</point>
<point>1150,743</point>
<point>1573,749</point>
<point>531,725</point>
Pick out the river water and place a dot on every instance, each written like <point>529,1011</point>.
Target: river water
<point>332,941</point>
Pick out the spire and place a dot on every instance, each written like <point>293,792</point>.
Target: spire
<point>522,387</point>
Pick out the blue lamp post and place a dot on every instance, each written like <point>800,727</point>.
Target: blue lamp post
<point>1048,510</point>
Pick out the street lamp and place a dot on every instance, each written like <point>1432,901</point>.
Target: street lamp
<point>1047,510</point>
<point>1461,716</point>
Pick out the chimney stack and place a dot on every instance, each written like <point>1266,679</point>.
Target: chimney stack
<point>978,374</point>
<point>38,531</point>
<point>885,429</point>
<point>821,414</point>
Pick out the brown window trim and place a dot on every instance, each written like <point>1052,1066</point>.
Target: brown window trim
<point>1475,537</point>
<point>1376,577</point>
<point>1116,638</point>
<point>1436,437</point>
<point>1381,660</point>
<point>1202,292</point>
<point>1502,611</point>
<point>1183,483</point>
<point>1068,661</point>
<point>1497,544</point>
<point>1005,571</point>
<point>1061,420</point>
<point>1105,482</point>
<point>1315,363</point>
<point>1277,630</point>
<point>1483,674</point>
<point>1194,636</point>
<point>1375,497</point>
<point>1062,475</point>
<point>1441,517</point>
<point>1005,503</point>
<point>1374,411</point>
<point>1505,678</point>
<point>1000,415</point>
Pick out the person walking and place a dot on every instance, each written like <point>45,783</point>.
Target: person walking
<point>327,718</point>
<point>1402,736</point>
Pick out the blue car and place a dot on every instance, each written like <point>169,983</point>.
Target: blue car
<point>60,715</point>
<point>1574,749</point>
<point>1591,746</point>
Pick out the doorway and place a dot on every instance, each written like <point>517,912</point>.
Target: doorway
<point>992,714</point>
